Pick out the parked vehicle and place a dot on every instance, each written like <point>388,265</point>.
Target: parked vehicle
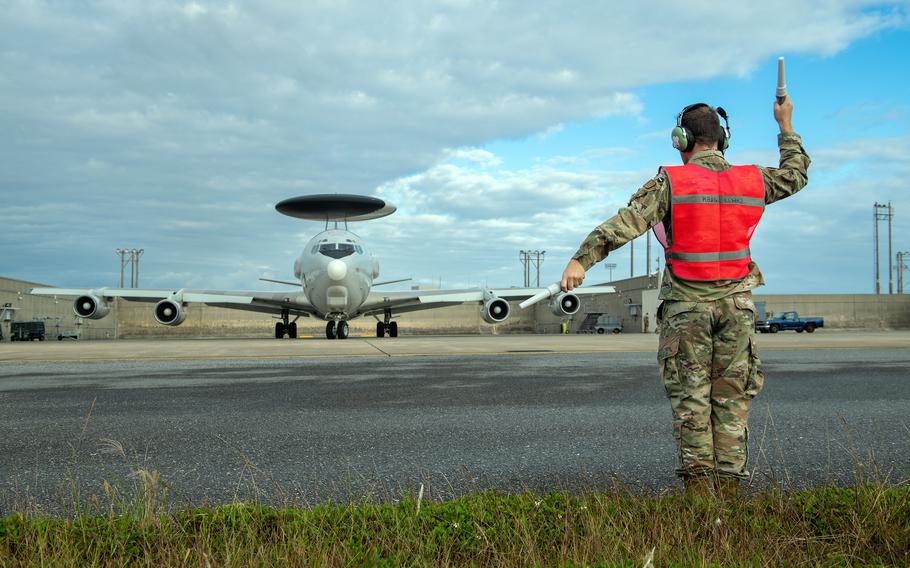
<point>27,331</point>
<point>61,335</point>
<point>789,321</point>
<point>599,322</point>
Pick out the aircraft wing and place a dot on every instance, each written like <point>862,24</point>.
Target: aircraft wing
<point>265,302</point>
<point>415,300</point>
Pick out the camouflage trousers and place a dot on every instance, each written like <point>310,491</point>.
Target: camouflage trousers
<point>711,371</point>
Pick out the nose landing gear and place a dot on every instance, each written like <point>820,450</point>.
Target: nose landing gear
<point>337,330</point>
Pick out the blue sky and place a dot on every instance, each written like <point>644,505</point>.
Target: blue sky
<point>176,126</point>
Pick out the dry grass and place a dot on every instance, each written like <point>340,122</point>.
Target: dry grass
<point>866,525</point>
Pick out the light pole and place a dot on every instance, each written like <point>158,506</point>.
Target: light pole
<point>122,254</point>
<point>647,253</point>
<point>538,260</point>
<point>136,253</point>
<point>525,258</point>
<point>610,266</point>
<point>882,212</point>
<point>901,267</point>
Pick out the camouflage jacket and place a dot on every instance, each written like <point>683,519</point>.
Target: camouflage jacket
<point>651,204</point>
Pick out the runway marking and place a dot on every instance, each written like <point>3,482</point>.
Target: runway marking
<point>377,348</point>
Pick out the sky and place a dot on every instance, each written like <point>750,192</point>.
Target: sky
<point>494,127</point>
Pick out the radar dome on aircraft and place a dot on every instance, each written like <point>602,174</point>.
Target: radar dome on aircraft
<point>335,207</point>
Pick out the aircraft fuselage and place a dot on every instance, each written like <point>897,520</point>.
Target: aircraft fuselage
<point>336,271</point>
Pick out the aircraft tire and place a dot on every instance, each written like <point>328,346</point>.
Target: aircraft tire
<point>279,330</point>
<point>292,330</point>
<point>380,329</point>
<point>393,329</point>
<point>341,330</point>
<point>330,330</point>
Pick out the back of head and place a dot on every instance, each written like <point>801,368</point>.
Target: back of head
<point>704,124</point>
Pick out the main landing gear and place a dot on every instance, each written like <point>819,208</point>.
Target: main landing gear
<point>336,330</point>
<point>387,326</point>
<point>286,328</point>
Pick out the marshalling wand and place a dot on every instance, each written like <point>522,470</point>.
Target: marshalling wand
<point>548,292</point>
<point>781,81</point>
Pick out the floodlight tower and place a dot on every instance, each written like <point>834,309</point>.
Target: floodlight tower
<point>136,253</point>
<point>882,212</point>
<point>901,267</point>
<point>525,257</point>
<point>610,266</point>
<point>122,254</point>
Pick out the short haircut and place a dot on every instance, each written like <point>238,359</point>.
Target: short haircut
<point>704,124</point>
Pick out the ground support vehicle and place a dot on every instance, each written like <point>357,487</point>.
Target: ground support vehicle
<point>599,322</point>
<point>27,331</point>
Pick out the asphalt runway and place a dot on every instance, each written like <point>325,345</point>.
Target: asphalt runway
<point>306,430</point>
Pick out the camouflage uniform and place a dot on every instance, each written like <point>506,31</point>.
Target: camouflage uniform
<point>708,360</point>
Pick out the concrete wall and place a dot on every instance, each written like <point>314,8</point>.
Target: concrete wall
<point>844,311</point>
<point>135,319</point>
<point>858,311</point>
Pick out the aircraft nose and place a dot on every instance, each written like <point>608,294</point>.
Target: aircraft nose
<point>337,270</point>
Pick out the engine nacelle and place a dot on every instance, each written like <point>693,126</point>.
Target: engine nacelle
<point>91,307</point>
<point>169,312</point>
<point>565,304</point>
<point>495,310</point>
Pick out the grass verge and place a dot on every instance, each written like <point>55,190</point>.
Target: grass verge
<point>827,526</point>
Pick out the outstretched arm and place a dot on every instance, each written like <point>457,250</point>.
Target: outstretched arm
<point>647,207</point>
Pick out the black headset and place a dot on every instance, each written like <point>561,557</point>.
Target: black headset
<point>684,140</point>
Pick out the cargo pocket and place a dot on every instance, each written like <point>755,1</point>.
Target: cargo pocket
<point>666,359</point>
<point>756,378</point>
<point>671,309</point>
<point>744,303</point>
<point>668,348</point>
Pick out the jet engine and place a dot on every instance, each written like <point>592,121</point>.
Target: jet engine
<point>495,310</point>
<point>91,307</point>
<point>169,312</point>
<point>564,304</point>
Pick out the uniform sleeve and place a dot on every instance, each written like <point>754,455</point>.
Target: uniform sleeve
<point>647,207</point>
<point>792,175</point>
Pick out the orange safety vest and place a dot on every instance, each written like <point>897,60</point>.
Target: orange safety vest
<point>713,216</point>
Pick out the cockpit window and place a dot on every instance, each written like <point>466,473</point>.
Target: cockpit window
<point>359,250</point>
<point>336,250</point>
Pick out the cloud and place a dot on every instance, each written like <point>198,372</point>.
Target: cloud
<point>815,241</point>
<point>156,120</point>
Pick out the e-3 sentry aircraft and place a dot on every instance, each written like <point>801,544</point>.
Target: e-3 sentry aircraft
<point>336,275</point>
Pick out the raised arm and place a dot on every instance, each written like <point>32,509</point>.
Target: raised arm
<point>792,173</point>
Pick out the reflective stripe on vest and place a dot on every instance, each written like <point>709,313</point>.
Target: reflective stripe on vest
<point>713,215</point>
<point>709,256</point>
<point>722,199</point>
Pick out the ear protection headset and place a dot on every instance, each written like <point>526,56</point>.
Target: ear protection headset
<point>684,140</point>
